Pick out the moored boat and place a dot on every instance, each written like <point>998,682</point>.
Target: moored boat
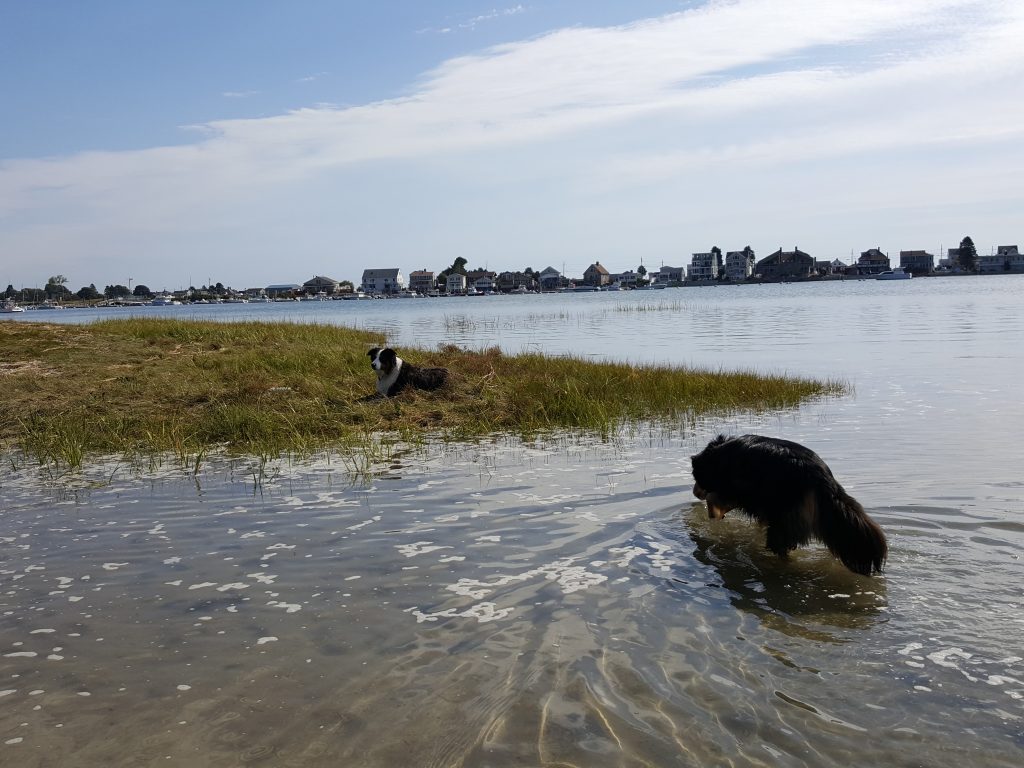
<point>896,273</point>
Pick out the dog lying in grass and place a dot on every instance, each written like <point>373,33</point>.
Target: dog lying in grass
<point>787,488</point>
<point>395,374</point>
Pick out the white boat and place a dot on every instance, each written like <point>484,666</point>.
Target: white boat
<point>164,301</point>
<point>9,306</point>
<point>894,274</point>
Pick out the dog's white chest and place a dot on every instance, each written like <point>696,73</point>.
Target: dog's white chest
<point>386,380</point>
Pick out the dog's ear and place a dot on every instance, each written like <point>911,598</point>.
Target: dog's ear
<point>373,352</point>
<point>388,355</point>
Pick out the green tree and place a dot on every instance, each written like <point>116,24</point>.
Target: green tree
<point>641,270</point>
<point>9,293</point>
<point>141,290</point>
<point>116,291</point>
<point>88,293</point>
<point>968,255</point>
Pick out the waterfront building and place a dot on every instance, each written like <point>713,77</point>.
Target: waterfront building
<point>596,275</point>
<point>917,262</point>
<point>705,266</point>
<point>1006,259</point>
<point>872,262</point>
<point>421,281</point>
<point>551,279</point>
<point>455,283</point>
<point>383,281</point>
<point>785,264</point>
<point>739,265</point>
<point>321,284</point>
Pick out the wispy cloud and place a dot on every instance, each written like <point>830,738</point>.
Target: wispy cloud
<point>474,21</point>
<point>239,94</point>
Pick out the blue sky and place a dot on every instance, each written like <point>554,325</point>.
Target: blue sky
<point>249,143</point>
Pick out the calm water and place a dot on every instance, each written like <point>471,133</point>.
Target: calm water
<point>554,603</point>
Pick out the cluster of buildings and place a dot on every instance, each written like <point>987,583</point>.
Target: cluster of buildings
<point>796,264</point>
<point>714,265</point>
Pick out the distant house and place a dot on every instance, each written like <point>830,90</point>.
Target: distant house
<point>481,279</point>
<point>455,283</point>
<point>382,281</point>
<point>917,262</point>
<point>625,279</point>
<point>596,274</point>
<point>705,266</point>
<point>872,262</point>
<point>739,265</point>
<point>510,281</point>
<point>1006,259</point>
<point>421,281</point>
<point>834,267</point>
<point>283,290</point>
<point>551,279</point>
<point>669,275</point>
<point>783,264</point>
<point>320,284</point>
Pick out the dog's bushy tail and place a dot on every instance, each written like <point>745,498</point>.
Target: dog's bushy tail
<point>849,533</point>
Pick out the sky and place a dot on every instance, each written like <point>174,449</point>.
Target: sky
<point>248,142</point>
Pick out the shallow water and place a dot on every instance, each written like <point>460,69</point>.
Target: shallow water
<point>556,603</point>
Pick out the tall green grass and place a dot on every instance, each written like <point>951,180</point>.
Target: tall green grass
<point>141,386</point>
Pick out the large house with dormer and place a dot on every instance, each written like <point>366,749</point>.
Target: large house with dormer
<point>872,262</point>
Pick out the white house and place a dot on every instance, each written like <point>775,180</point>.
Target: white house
<point>704,266</point>
<point>456,283</point>
<point>739,265</point>
<point>382,280</point>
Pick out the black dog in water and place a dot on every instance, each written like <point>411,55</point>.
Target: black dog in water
<point>394,374</point>
<point>790,490</point>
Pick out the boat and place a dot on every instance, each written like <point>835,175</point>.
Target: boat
<point>9,306</point>
<point>894,274</point>
<point>164,301</point>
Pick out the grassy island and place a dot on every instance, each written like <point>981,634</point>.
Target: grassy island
<point>145,386</point>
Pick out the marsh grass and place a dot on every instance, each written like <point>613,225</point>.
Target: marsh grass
<point>141,386</point>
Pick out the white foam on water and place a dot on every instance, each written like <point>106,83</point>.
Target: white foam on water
<point>482,612</point>
<point>288,607</point>
<point>419,548</point>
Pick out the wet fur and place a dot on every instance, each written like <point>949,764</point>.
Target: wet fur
<point>395,374</point>
<point>787,488</point>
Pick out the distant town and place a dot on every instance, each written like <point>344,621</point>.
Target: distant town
<point>709,268</point>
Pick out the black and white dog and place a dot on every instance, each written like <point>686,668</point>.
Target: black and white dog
<point>394,374</point>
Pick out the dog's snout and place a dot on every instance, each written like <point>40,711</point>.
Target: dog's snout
<point>699,492</point>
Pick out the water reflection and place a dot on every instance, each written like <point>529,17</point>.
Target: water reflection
<point>794,596</point>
